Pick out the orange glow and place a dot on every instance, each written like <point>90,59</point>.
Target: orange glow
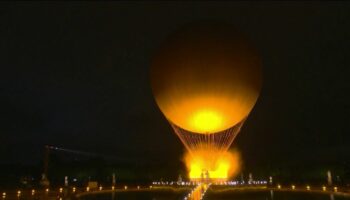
<point>198,192</point>
<point>206,79</point>
<point>218,164</point>
<point>206,121</point>
<point>206,114</point>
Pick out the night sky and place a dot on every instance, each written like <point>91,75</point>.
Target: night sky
<point>76,75</point>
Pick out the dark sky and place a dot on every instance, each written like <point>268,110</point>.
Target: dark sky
<point>75,75</point>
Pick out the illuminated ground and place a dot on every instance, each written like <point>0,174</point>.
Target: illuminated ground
<point>222,192</point>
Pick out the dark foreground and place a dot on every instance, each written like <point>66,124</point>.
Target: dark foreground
<point>268,195</point>
<point>157,194</point>
<point>218,193</point>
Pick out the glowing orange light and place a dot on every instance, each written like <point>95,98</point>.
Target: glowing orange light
<point>206,121</point>
<point>198,192</point>
<point>212,164</point>
<point>206,81</point>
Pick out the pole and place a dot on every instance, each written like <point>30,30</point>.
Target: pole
<point>44,179</point>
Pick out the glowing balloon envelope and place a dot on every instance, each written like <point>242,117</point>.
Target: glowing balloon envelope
<point>206,79</point>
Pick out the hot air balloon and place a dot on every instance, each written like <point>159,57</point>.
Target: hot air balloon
<point>206,79</point>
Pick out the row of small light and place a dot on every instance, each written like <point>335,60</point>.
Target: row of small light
<point>19,193</point>
<point>175,183</point>
<point>113,188</point>
<point>241,183</point>
<point>324,188</point>
<point>87,189</point>
<point>217,183</point>
<point>205,190</point>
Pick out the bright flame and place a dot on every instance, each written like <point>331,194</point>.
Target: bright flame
<point>206,114</point>
<point>212,164</point>
<point>206,121</point>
